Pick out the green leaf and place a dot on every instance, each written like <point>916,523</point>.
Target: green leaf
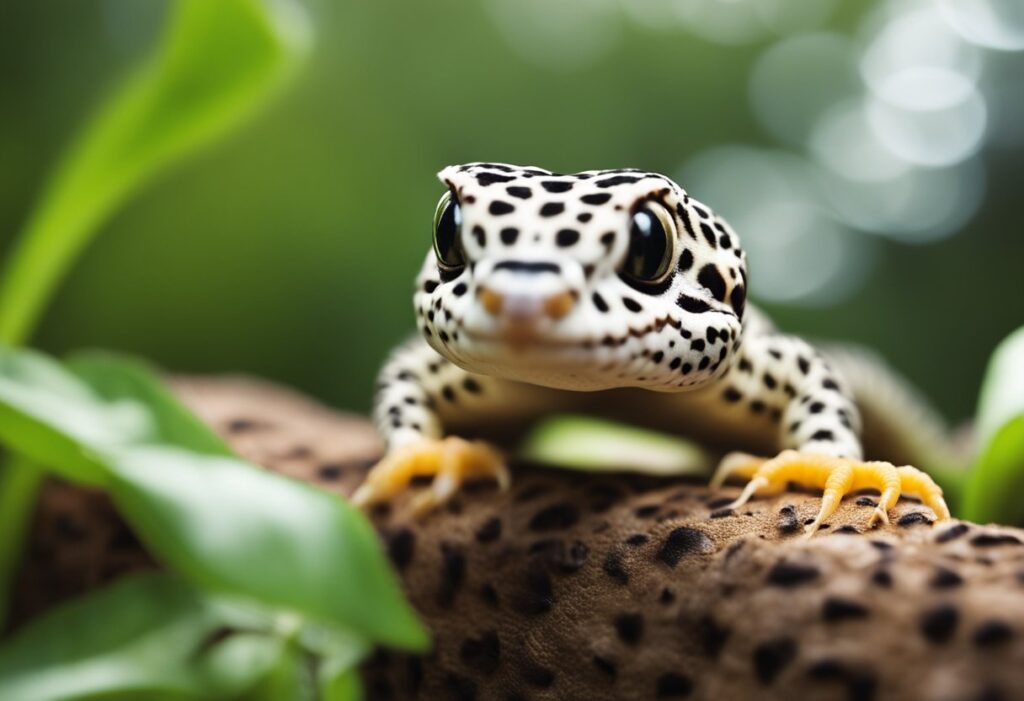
<point>145,636</point>
<point>998,475</point>
<point>594,445</point>
<point>217,62</point>
<point>230,527</point>
<point>67,419</point>
<point>116,378</point>
<point>216,519</point>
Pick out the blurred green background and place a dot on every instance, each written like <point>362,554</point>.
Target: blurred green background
<point>289,250</point>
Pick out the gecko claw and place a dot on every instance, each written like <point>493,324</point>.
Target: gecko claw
<point>837,477</point>
<point>450,461</point>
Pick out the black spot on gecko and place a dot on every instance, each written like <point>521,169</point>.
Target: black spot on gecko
<point>616,180</point>
<point>710,278</point>
<point>509,235</point>
<point>709,235</point>
<point>598,198</point>
<point>500,207</point>
<point>566,237</point>
<point>523,193</point>
<point>614,566</point>
<point>556,185</point>
<point>631,304</point>
<point>685,260</point>
<point>550,209</point>
<point>692,304</point>
<point>486,179</point>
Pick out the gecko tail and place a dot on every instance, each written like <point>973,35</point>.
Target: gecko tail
<point>900,425</point>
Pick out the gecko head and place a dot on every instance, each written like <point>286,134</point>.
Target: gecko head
<point>588,281</point>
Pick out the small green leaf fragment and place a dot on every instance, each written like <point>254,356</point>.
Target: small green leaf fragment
<point>593,445</point>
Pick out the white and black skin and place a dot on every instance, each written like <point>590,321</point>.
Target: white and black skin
<point>609,291</point>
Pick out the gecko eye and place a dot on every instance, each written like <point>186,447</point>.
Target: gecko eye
<point>447,241</point>
<point>651,236</point>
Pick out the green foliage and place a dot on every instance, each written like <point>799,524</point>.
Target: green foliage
<point>218,61</point>
<point>997,479</point>
<point>146,635</point>
<point>220,522</point>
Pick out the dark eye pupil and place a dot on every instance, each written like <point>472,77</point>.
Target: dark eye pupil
<point>648,244</point>
<point>446,235</point>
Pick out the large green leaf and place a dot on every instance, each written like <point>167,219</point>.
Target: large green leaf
<point>992,489</point>
<point>67,419</point>
<point>147,636</point>
<point>232,527</point>
<point>217,61</point>
<point>219,521</point>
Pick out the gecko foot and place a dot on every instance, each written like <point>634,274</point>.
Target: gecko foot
<point>837,476</point>
<point>450,460</point>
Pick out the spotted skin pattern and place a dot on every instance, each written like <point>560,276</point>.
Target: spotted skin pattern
<point>684,350</point>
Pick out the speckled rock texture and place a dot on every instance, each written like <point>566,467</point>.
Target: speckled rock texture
<point>574,586</point>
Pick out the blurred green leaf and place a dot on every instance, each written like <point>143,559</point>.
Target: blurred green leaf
<point>217,520</point>
<point>993,486</point>
<point>115,378</point>
<point>232,527</point>
<point>145,636</point>
<point>217,62</point>
<point>66,418</point>
<point>595,445</point>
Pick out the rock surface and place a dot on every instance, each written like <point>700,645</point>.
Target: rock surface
<point>574,586</point>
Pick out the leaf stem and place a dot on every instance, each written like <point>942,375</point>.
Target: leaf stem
<point>20,482</point>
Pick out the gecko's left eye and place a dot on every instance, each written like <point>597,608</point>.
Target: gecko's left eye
<point>447,238</point>
<point>651,237</point>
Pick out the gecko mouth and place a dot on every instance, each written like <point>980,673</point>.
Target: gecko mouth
<point>520,339</point>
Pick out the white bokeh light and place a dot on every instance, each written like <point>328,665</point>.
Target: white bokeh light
<point>798,253</point>
<point>916,206</point>
<point>914,60</point>
<point>796,80</point>
<point>994,24</point>
<point>844,142</point>
<point>937,137</point>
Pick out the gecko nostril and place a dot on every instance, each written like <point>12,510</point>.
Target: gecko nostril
<point>491,301</point>
<point>559,305</point>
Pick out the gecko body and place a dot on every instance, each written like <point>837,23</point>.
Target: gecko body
<point>610,292</point>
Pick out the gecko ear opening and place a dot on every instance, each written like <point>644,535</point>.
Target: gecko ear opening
<point>651,239</point>
<point>448,233</point>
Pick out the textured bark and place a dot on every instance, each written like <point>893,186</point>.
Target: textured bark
<point>573,586</point>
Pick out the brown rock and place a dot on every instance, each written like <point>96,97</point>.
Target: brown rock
<point>575,586</point>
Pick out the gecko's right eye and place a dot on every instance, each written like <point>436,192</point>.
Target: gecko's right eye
<point>447,238</point>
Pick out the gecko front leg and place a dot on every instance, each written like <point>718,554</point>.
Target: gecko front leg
<point>420,397</point>
<point>784,379</point>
